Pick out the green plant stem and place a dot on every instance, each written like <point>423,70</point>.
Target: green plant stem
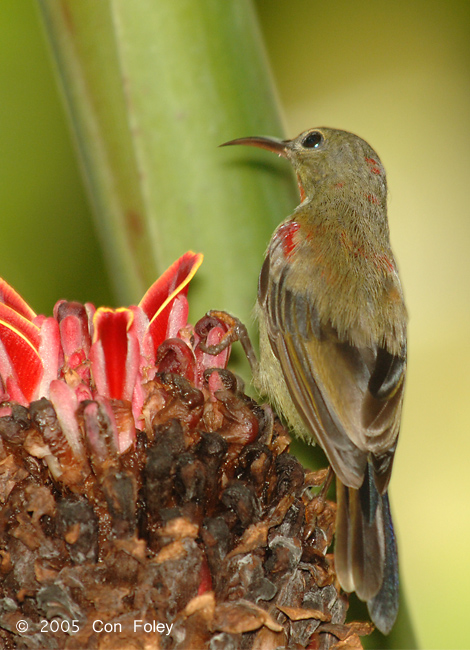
<point>152,88</point>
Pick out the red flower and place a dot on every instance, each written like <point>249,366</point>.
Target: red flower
<point>109,356</point>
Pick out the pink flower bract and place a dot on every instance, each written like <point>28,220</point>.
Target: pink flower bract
<point>105,355</point>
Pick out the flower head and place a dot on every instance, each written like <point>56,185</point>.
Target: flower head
<point>139,483</point>
<point>110,356</point>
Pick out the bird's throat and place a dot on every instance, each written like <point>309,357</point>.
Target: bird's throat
<point>301,189</point>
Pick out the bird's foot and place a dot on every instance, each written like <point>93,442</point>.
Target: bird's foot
<point>236,331</point>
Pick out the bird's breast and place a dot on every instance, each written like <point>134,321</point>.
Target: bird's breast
<point>352,281</point>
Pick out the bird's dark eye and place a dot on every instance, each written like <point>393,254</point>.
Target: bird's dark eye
<point>313,140</point>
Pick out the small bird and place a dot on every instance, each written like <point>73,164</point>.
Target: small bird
<point>332,322</point>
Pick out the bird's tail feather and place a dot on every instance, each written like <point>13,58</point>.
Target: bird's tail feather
<point>366,556</point>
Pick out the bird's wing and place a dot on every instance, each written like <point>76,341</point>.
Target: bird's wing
<point>349,397</point>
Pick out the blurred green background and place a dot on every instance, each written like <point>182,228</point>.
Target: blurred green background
<point>398,75</point>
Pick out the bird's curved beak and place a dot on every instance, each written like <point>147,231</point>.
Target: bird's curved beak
<point>270,144</point>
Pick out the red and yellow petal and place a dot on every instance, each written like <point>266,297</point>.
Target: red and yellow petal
<point>157,302</point>
<point>12,299</point>
<point>20,364</point>
<point>115,353</point>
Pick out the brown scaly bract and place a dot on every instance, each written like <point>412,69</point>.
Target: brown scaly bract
<point>203,526</point>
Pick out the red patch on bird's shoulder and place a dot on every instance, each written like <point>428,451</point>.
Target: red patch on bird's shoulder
<point>374,165</point>
<point>285,235</point>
